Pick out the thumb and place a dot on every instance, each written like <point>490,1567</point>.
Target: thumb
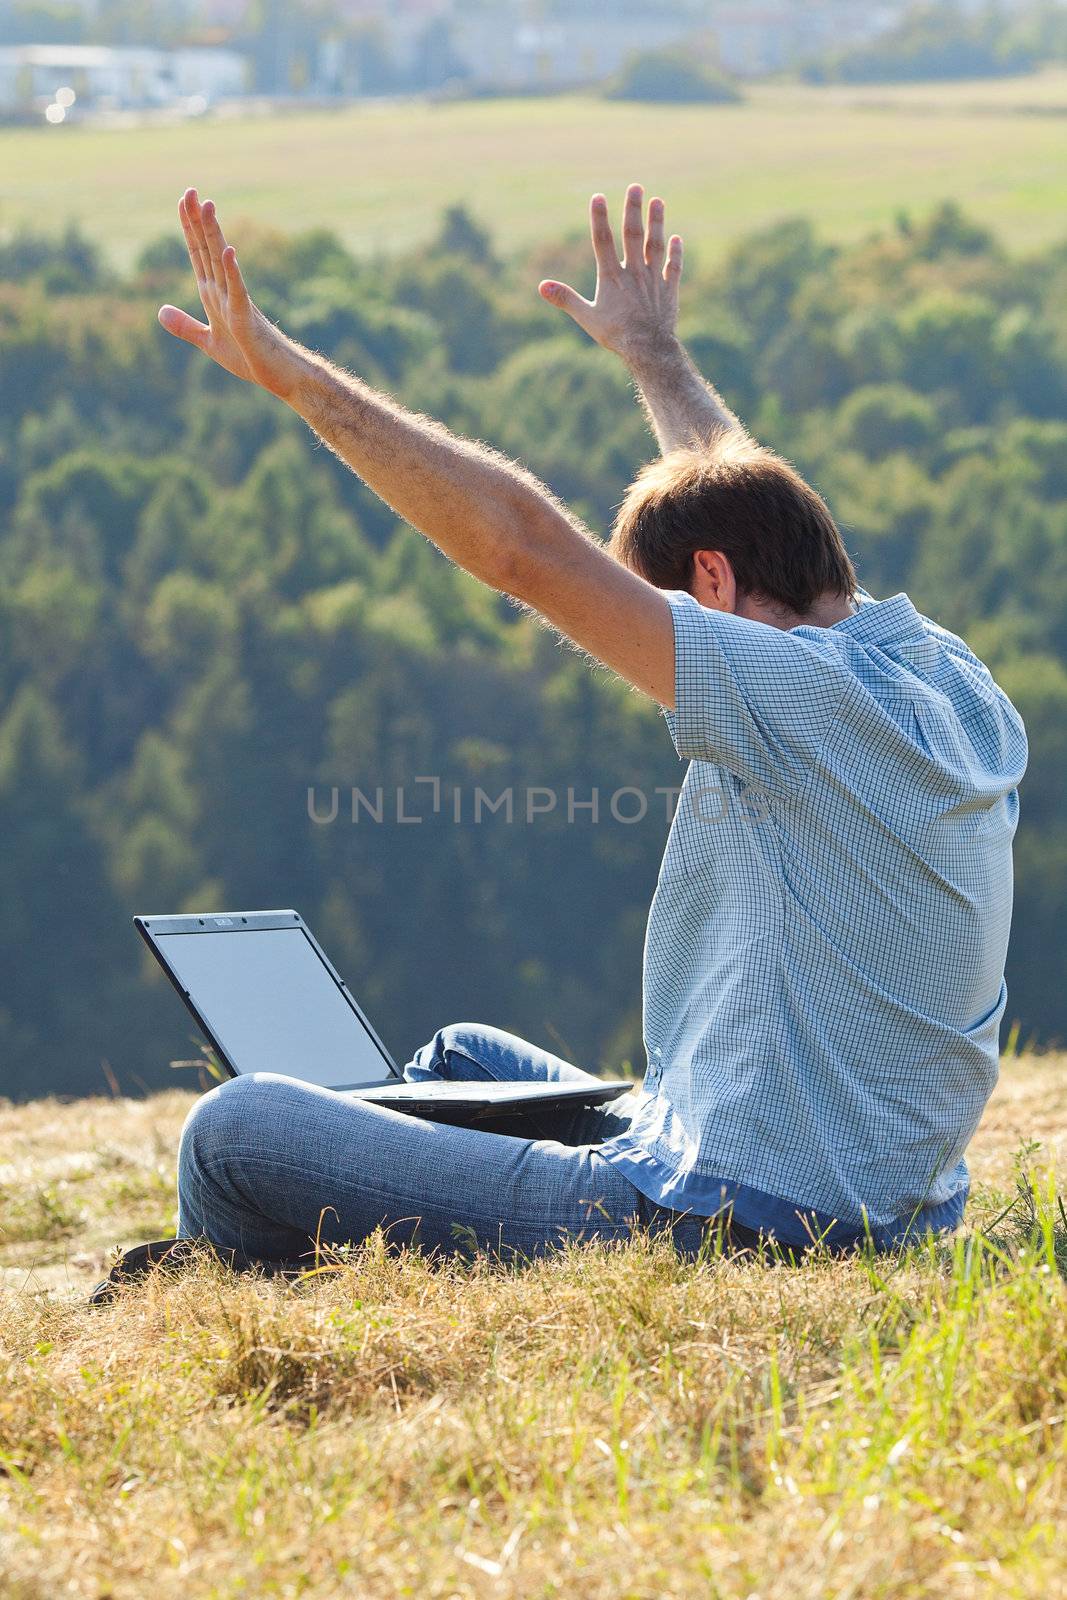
<point>567,299</point>
<point>183,326</point>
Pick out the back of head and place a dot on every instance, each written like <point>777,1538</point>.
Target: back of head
<point>745,501</point>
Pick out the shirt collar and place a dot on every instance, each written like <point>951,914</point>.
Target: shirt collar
<point>882,622</point>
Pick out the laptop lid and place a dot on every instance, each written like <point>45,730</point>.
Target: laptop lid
<point>266,998</point>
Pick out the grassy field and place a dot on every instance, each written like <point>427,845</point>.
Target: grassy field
<point>611,1423</point>
<point>381,174</point>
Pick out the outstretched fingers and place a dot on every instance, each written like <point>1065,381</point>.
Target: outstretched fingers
<point>236,289</point>
<point>633,226</point>
<point>607,258</point>
<point>195,212</point>
<point>655,244</point>
<point>183,326</point>
<point>673,269</point>
<point>214,243</point>
<point>566,298</point>
<point>200,264</point>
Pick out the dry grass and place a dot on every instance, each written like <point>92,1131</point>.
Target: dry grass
<point>609,1423</point>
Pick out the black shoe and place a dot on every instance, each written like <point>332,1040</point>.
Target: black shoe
<point>173,1256</point>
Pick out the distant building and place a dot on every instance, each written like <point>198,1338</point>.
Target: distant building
<point>393,11</point>
<point>556,44</point>
<point>762,37</point>
<point>526,46</point>
<point>99,77</point>
<point>380,46</point>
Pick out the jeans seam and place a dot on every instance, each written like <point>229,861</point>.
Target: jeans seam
<point>208,1168</point>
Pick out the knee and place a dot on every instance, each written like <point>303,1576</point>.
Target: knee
<point>464,1041</point>
<point>217,1123</point>
<point>467,1039</point>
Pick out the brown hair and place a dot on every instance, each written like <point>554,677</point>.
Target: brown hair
<point>739,498</point>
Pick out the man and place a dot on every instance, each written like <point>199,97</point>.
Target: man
<point>825,953</point>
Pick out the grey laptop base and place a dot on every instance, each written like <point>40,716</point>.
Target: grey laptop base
<point>266,999</point>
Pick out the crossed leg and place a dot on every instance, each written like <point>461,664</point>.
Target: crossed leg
<point>268,1163</point>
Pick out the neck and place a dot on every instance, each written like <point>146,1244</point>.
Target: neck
<point>830,608</point>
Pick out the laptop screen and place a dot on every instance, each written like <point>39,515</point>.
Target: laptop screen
<point>272,1005</point>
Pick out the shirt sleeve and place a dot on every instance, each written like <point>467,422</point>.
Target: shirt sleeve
<point>754,699</point>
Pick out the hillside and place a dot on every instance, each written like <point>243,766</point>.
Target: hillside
<point>379,174</point>
<point>608,1424</point>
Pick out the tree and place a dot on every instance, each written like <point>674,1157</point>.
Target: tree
<point>60,921</point>
<point>935,41</point>
<point>881,419</point>
<point>671,77</point>
<point>201,615</point>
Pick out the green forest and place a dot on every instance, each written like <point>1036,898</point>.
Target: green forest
<point>207,626</point>
<point>941,39</point>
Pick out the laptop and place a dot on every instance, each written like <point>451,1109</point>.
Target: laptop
<point>266,999</point>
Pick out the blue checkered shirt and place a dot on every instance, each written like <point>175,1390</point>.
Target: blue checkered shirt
<point>824,962</point>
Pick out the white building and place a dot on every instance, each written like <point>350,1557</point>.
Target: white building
<point>526,46</point>
<point>115,78</point>
<point>767,35</point>
<point>530,44</point>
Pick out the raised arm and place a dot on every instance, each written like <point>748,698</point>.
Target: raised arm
<point>486,513</point>
<point>634,312</point>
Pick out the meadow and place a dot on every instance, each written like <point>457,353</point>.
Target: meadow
<point>380,174</point>
<point>608,1423</point>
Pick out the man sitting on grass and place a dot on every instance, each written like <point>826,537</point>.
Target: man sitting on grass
<point>824,969</point>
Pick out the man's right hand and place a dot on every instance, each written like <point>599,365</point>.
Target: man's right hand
<point>634,311</point>
<point>237,336</point>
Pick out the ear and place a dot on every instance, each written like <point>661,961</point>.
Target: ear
<point>713,581</point>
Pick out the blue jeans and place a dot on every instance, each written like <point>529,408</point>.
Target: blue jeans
<point>269,1164</point>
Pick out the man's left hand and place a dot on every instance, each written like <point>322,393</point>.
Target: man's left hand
<point>635,308</point>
